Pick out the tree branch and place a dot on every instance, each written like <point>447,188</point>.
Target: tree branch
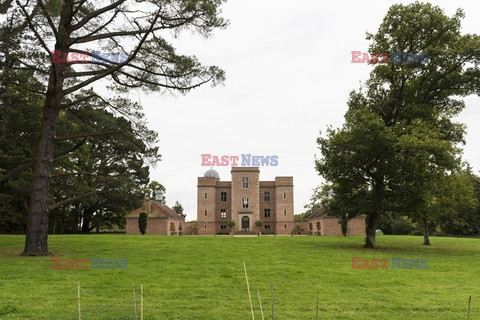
<point>74,136</point>
<point>73,199</point>
<point>94,14</point>
<point>44,45</point>
<point>108,72</point>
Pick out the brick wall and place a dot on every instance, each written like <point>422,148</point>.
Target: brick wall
<point>331,227</point>
<point>131,226</point>
<point>267,205</point>
<point>206,205</point>
<point>284,205</point>
<point>356,226</point>
<point>157,226</point>
<point>252,193</point>
<point>304,226</point>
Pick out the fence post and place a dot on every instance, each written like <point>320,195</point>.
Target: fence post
<point>141,302</point>
<point>273,302</point>
<point>79,310</point>
<point>248,288</point>
<point>468,310</point>
<point>260,302</point>
<point>134,303</point>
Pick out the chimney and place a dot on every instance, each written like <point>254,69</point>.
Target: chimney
<point>159,196</point>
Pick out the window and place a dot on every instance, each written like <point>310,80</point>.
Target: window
<point>223,226</point>
<point>223,196</point>
<point>223,213</point>
<point>285,226</point>
<point>205,195</point>
<point>205,213</point>
<point>284,195</point>
<point>267,213</point>
<point>245,182</point>
<point>266,196</point>
<point>267,227</point>
<point>285,212</point>
<point>245,202</point>
<point>205,226</point>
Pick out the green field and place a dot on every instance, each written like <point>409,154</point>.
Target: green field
<point>202,278</point>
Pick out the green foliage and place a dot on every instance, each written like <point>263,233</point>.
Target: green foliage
<point>391,223</point>
<point>399,142</point>
<point>178,208</point>
<point>54,7</point>
<point>313,205</point>
<point>259,223</point>
<point>153,187</point>
<point>153,65</point>
<point>297,229</point>
<point>301,217</point>
<point>193,227</point>
<point>231,223</point>
<point>142,222</point>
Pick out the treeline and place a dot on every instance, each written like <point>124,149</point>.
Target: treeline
<point>460,217</point>
<point>103,150</point>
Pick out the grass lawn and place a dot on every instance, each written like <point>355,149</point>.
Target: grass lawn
<point>202,278</point>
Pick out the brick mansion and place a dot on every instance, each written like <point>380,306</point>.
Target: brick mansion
<point>245,199</point>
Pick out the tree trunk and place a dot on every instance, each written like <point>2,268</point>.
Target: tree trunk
<point>426,235</point>
<point>372,218</point>
<point>37,217</point>
<point>86,223</point>
<point>371,228</point>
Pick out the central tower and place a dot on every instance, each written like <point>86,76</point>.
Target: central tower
<point>245,197</point>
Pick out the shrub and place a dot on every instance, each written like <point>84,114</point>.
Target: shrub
<point>259,224</point>
<point>298,229</point>
<point>142,222</point>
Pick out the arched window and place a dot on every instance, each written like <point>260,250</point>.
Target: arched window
<point>245,223</point>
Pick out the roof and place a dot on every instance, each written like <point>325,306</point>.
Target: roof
<point>155,210</point>
<point>317,215</point>
<point>211,174</point>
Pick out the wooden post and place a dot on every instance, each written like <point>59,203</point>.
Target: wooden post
<point>248,289</point>
<point>273,302</point>
<point>317,308</point>
<point>134,303</point>
<point>141,302</point>
<point>468,310</point>
<point>260,302</point>
<point>79,310</point>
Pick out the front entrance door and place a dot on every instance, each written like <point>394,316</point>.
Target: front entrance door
<point>245,224</point>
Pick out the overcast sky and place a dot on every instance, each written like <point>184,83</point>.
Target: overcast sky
<point>289,73</point>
